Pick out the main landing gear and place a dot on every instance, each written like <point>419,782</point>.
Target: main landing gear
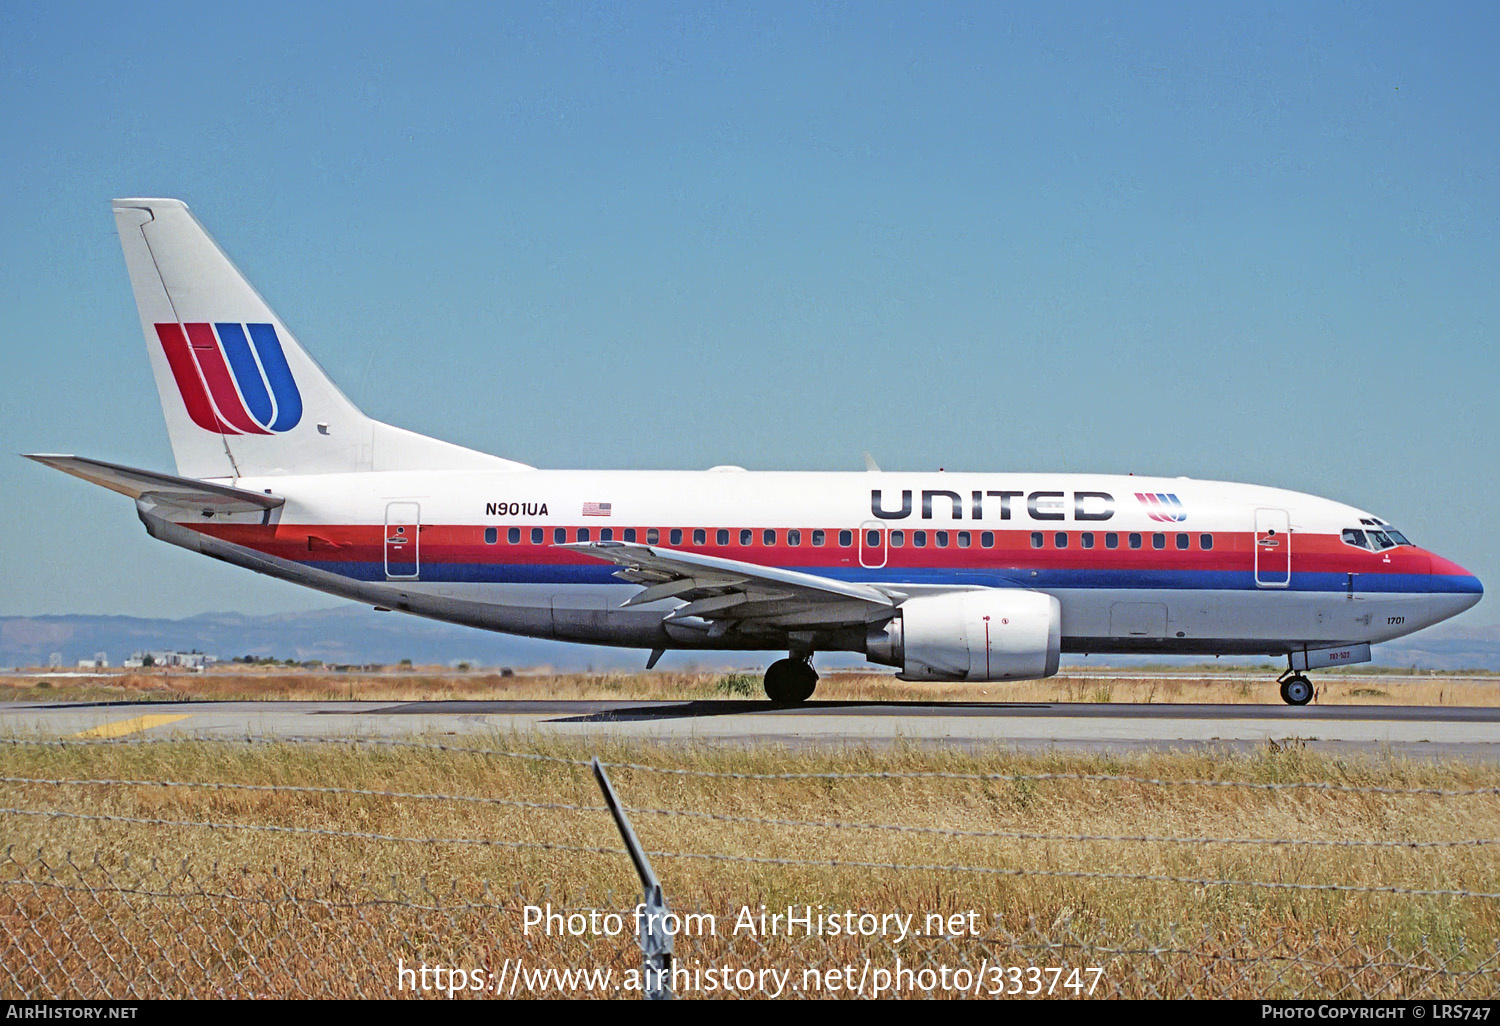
<point>1296,689</point>
<point>791,681</point>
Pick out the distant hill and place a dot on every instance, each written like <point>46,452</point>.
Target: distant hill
<point>358,634</point>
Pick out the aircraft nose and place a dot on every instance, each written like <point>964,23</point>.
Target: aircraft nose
<point>1454,587</point>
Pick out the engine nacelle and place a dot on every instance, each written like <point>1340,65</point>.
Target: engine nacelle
<point>986,634</point>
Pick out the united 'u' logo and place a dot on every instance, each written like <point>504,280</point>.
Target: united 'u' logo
<point>1162,506</point>
<point>233,378</point>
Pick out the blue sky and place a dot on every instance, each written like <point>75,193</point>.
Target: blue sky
<point>1256,243</point>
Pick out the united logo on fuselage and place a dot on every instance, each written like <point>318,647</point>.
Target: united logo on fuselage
<point>1162,506</point>
<point>234,378</point>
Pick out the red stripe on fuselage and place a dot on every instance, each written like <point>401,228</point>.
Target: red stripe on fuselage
<point>1232,551</point>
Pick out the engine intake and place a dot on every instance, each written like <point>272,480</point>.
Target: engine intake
<point>971,635</point>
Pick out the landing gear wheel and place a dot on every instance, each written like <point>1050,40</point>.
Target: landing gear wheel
<point>1296,690</point>
<point>790,681</point>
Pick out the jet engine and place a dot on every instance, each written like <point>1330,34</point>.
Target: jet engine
<point>983,634</point>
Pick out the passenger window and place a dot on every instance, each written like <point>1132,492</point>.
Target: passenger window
<point>700,536</point>
<point>964,539</point>
<point>768,537</point>
<point>1135,540</point>
<point>559,535</point>
<point>846,539</point>
<point>940,539</point>
<point>872,539</point>
<point>606,534</point>
<point>630,534</point>
<point>675,537</point>
<point>1111,540</point>
<point>583,534</point>
<point>818,537</point>
<point>747,536</point>
<point>1182,541</point>
<point>794,537</point>
<point>1036,539</point>
<point>653,536</point>
<point>898,539</point>
<point>492,535</point>
<point>536,536</point>
<point>1060,539</point>
<point>987,539</point>
<point>919,539</point>
<point>1158,541</point>
<point>721,537</point>
<point>1087,539</point>
<point>1205,542</point>
<point>513,536</point>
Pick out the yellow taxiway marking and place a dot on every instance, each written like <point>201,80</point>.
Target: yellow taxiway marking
<point>122,727</point>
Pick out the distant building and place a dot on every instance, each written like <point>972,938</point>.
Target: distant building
<point>99,662</point>
<point>198,661</point>
<point>54,661</point>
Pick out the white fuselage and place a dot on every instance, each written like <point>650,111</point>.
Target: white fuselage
<point>1136,564</point>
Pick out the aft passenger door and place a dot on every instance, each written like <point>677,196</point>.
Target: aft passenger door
<point>1273,548</point>
<point>403,527</point>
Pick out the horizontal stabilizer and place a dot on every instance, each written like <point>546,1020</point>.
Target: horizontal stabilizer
<point>182,491</point>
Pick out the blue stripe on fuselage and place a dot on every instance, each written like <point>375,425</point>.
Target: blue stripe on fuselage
<point>1179,580</point>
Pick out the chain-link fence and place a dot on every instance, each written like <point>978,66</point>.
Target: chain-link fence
<point>82,928</point>
<point>103,921</point>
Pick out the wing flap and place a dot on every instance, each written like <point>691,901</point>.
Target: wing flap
<point>728,589</point>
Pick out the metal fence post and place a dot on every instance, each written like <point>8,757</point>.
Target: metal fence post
<point>652,913</point>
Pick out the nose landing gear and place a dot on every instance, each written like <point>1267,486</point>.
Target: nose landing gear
<point>1296,689</point>
<point>791,681</point>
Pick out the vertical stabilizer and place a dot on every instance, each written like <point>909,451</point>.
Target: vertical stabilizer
<point>240,395</point>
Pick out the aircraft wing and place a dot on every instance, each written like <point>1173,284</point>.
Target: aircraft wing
<point>730,592</point>
<point>207,496</point>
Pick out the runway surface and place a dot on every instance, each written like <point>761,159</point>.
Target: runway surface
<point>1427,732</point>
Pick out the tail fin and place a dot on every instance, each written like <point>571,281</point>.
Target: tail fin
<point>241,397</point>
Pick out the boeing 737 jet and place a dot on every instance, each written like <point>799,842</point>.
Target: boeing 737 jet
<point>946,576</point>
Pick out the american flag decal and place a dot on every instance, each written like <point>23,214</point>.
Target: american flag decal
<point>598,509</point>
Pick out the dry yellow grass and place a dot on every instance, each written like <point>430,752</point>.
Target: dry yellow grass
<point>1247,686</point>
<point>364,902</point>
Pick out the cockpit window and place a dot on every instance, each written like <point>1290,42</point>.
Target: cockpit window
<point>1377,536</point>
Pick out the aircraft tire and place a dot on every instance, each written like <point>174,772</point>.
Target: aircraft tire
<point>1296,690</point>
<point>790,681</point>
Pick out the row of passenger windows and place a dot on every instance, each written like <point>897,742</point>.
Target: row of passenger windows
<point>1039,539</point>
<point>674,536</point>
<point>817,538</point>
<point>1060,540</point>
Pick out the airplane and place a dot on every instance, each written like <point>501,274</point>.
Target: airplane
<point>945,576</point>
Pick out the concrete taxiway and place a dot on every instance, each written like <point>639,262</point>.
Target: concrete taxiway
<point>1459,733</point>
